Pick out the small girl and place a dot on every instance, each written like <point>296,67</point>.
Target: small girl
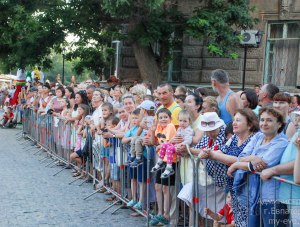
<point>168,149</point>
<point>107,112</point>
<point>83,111</point>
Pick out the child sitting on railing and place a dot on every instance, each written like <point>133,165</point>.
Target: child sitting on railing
<point>226,212</point>
<point>168,149</point>
<point>147,113</point>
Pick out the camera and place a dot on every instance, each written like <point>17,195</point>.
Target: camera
<point>104,129</point>
<point>50,112</point>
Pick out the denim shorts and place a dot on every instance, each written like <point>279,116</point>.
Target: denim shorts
<point>114,171</point>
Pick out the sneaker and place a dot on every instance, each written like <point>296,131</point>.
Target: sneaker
<point>157,167</point>
<point>131,203</point>
<point>154,221</point>
<point>138,206</point>
<point>130,160</point>
<point>136,163</point>
<point>168,172</point>
<point>162,219</point>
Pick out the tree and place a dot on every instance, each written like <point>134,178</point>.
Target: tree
<point>217,24</point>
<point>29,31</point>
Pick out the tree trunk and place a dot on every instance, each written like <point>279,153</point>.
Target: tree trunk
<point>147,64</point>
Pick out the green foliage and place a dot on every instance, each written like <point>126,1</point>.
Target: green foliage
<point>28,32</point>
<point>217,23</point>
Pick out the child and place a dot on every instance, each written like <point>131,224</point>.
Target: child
<point>226,212</point>
<point>107,112</point>
<point>83,111</point>
<point>7,118</point>
<point>163,133</point>
<point>147,112</point>
<point>169,149</point>
<point>130,135</point>
<point>180,99</point>
<point>112,144</point>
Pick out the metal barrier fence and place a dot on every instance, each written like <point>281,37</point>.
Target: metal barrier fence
<point>108,167</point>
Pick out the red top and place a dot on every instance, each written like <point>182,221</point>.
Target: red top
<point>7,117</point>
<point>227,213</point>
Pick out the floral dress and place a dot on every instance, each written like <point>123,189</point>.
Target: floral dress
<point>240,212</point>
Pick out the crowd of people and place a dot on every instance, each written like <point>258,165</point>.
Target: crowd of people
<point>236,135</point>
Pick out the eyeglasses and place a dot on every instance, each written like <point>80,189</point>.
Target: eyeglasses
<point>208,123</point>
<point>133,93</point>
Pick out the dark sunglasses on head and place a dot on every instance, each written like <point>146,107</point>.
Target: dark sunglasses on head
<point>208,123</point>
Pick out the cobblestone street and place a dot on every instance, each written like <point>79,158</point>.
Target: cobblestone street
<point>31,196</point>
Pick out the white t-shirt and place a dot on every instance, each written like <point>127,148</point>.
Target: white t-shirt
<point>97,115</point>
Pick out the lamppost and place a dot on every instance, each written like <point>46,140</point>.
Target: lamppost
<point>63,71</point>
<point>251,39</point>
<point>117,43</point>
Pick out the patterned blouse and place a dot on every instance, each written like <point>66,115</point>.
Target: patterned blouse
<point>232,148</point>
<point>216,170</point>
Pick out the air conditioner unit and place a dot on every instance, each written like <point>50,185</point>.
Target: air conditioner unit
<point>249,37</point>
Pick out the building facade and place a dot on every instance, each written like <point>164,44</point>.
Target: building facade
<point>276,60</point>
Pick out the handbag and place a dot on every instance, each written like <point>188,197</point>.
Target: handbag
<point>203,178</point>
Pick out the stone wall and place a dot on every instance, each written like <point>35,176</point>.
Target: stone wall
<point>196,63</point>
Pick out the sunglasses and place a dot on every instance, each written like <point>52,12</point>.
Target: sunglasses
<point>208,123</point>
<point>160,135</point>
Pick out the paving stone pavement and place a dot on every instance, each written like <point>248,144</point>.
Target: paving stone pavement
<point>31,196</point>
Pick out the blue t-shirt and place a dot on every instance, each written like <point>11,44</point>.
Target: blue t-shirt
<point>271,154</point>
<point>132,132</point>
<point>289,194</point>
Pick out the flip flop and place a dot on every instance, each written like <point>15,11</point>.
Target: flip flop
<point>135,214</point>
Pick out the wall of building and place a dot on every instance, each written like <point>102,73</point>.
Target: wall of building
<point>195,63</point>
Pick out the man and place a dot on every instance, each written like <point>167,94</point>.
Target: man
<point>89,93</point>
<point>266,94</point>
<point>228,101</point>
<point>165,95</point>
<point>89,82</point>
<point>257,89</point>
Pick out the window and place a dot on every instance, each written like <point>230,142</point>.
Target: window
<point>282,53</point>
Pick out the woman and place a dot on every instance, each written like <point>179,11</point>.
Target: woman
<point>117,93</point>
<point>211,193</point>
<point>129,103</point>
<point>139,92</point>
<point>281,102</point>
<point>180,90</point>
<point>70,95</point>
<point>193,103</point>
<point>264,150</point>
<point>80,98</point>
<point>45,98</point>
<point>210,104</point>
<point>245,125</point>
<point>250,100</point>
<point>288,194</point>
<point>56,103</point>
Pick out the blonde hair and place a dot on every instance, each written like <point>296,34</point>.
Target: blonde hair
<point>139,90</point>
<point>212,102</point>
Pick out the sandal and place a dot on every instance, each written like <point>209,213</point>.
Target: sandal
<point>102,190</point>
<point>107,193</point>
<point>77,174</point>
<point>110,199</point>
